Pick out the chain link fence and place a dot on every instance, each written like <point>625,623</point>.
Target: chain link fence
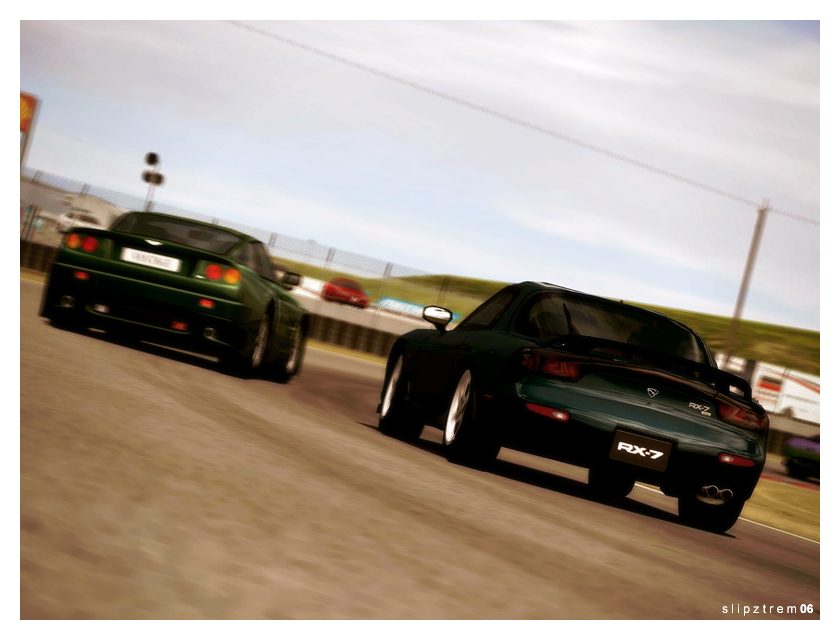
<point>47,200</point>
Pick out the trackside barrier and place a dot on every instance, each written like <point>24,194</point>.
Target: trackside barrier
<point>38,257</point>
<point>350,336</point>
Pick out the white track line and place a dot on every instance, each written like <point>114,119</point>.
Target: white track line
<point>766,526</point>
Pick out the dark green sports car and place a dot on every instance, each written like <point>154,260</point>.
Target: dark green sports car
<point>627,393</point>
<point>182,283</point>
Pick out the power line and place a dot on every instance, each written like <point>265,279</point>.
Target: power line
<point>640,164</point>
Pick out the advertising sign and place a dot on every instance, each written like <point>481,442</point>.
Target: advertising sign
<point>28,108</point>
<point>28,104</point>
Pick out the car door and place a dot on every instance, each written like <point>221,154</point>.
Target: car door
<point>441,359</point>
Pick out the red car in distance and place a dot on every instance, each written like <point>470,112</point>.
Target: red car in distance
<point>346,291</point>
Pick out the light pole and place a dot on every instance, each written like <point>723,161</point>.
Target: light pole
<point>152,177</point>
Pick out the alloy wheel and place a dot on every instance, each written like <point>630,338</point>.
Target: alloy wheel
<point>458,407</point>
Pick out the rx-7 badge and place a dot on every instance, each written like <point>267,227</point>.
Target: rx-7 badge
<point>653,392</point>
<point>636,450</point>
<point>702,408</point>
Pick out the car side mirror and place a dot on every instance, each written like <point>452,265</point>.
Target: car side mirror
<point>290,279</point>
<point>438,316</point>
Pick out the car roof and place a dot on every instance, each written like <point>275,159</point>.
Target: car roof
<point>548,286</point>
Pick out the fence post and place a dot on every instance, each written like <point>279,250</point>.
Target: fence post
<point>382,284</point>
<point>444,285</point>
<point>327,261</point>
<point>31,210</point>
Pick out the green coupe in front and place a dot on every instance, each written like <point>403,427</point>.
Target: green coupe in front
<point>183,283</point>
<point>627,393</point>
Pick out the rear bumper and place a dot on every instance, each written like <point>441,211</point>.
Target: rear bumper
<point>144,310</point>
<point>589,436</point>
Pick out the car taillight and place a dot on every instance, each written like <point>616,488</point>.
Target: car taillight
<point>742,417</point>
<point>213,272</point>
<point>736,461</point>
<point>232,276</point>
<point>216,272</point>
<point>556,366</point>
<point>549,412</point>
<point>88,244</point>
<point>73,241</point>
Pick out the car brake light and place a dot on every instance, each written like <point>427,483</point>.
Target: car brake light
<point>743,417</point>
<point>548,412</point>
<point>213,272</point>
<point>216,272</point>
<point>736,461</point>
<point>89,244</point>
<point>206,303</point>
<point>551,365</point>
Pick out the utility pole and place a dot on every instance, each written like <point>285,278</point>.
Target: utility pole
<point>745,281</point>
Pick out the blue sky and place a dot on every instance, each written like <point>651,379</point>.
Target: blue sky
<point>262,133</point>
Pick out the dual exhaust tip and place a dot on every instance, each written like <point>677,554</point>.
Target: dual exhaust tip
<point>713,492</point>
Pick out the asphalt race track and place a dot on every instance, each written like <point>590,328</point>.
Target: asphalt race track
<point>155,486</point>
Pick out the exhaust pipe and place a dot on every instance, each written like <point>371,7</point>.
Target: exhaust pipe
<point>68,302</point>
<point>709,491</point>
<point>712,492</point>
<point>210,333</point>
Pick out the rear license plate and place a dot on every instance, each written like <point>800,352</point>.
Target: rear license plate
<point>150,259</point>
<point>640,451</point>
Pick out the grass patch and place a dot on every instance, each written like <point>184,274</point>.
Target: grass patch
<point>786,507</point>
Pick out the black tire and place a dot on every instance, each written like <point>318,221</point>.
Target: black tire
<point>465,439</point>
<point>710,517</point>
<point>610,484</point>
<point>66,319</point>
<point>289,365</point>
<point>395,418</point>
<point>61,322</point>
<point>251,362</point>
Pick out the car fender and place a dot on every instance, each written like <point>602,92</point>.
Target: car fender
<point>287,316</point>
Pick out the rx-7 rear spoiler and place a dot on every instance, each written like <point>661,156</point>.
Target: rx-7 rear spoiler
<point>723,381</point>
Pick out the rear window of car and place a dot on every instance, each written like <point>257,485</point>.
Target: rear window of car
<point>552,315</point>
<point>196,235</point>
<point>489,311</point>
<point>347,284</point>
